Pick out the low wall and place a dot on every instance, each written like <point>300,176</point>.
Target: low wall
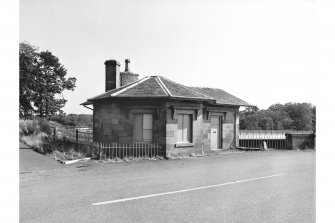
<point>300,141</point>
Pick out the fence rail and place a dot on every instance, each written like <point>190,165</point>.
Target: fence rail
<point>276,131</point>
<point>128,149</point>
<point>73,134</point>
<point>276,139</point>
<point>258,143</point>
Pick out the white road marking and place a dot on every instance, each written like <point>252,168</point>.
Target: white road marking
<point>182,191</point>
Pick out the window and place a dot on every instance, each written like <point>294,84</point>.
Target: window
<point>142,131</point>
<point>184,128</point>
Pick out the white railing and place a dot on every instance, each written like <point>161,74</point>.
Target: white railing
<point>128,149</point>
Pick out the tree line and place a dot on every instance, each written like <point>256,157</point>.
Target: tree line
<point>73,119</point>
<point>293,116</point>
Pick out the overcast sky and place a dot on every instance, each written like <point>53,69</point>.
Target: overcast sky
<point>262,51</point>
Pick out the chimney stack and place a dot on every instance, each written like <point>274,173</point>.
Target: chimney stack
<point>127,76</point>
<point>112,74</point>
<point>127,65</point>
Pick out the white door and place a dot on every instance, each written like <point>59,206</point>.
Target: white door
<point>215,132</point>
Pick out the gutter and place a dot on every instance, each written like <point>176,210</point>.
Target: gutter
<point>85,105</point>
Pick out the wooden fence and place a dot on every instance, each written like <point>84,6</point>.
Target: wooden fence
<point>255,139</point>
<point>128,149</point>
<point>73,134</point>
<point>276,139</point>
<point>258,143</point>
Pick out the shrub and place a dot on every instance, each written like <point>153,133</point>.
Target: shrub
<point>30,127</point>
<point>35,141</point>
<point>44,127</point>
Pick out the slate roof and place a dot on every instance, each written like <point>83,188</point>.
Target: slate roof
<point>152,87</point>
<point>161,87</point>
<point>221,96</point>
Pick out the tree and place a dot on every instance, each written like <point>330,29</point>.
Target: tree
<point>42,81</point>
<point>279,116</point>
<point>249,119</point>
<point>301,114</point>
<point>72,119</point>
<point>28,63</point>
<point>277,107</point>
<point>266,123</point>
<point>297,116</point>
<point>314,118</point>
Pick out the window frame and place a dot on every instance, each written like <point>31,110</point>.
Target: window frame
<point>147,129</point>
<point>189,129</point>
<point>142,128</point>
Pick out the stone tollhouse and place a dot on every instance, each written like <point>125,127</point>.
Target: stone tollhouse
<point>183,120</point>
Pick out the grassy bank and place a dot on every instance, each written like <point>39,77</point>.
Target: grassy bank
<point>38,135</point>
<point>32,133</point>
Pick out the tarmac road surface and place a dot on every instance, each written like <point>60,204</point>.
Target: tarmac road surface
<point>271,186</point>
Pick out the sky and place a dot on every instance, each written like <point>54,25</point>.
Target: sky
<point>262,51</point>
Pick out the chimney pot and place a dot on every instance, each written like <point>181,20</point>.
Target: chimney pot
<point>127,76</point>
<point>127,65</point>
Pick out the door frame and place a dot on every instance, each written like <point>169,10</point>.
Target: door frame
<point>219,134</point>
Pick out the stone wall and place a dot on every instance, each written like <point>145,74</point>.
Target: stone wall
<point>173,147</point>
<point>113,121</point>
<point>229,116</point>
<point>201,135</point>
<point>300,141</point>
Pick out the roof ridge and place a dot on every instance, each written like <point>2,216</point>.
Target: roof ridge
<point>187,88</point>
<point>162,85</point>
<point>131,85</point>
<point>107,92</point>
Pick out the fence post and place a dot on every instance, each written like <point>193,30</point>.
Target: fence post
<point>76,135</point>
<point>54,133</point>
<point>99,156</point>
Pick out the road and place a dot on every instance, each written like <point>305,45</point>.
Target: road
<point>271,186</point>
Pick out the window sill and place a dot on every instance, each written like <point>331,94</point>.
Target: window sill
<point>184,144</point>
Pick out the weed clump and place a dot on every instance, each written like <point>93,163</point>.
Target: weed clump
<point>32,133</point>
<point>64,149</point>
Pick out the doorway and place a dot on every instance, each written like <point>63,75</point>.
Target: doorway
<point>215,132</point>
